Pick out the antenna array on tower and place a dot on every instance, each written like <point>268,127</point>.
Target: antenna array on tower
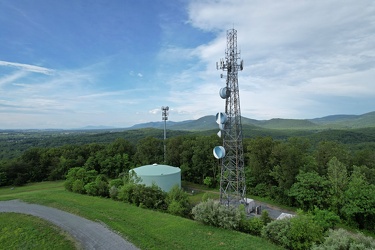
<point>232,178</point>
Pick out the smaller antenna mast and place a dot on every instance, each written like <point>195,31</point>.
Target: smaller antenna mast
<point>164,116</point>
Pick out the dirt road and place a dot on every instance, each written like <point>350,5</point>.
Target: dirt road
<point>89,234</point>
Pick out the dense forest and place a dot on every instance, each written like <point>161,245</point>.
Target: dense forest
<point>332,169</point>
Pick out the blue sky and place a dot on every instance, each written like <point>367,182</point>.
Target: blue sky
<point>69,64</point>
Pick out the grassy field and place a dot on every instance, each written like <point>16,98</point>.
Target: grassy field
<point>145,228</point>
<point>19,231</point>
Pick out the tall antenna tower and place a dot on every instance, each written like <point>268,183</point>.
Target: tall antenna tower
<point>232,179</point>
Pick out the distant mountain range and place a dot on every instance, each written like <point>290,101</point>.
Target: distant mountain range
<point>327,122</point>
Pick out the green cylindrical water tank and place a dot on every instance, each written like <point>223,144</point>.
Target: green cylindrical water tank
<point>162,175</point>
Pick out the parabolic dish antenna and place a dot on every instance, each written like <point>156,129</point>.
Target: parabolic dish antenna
<point>221,118</point>
<point>224,93</point>
<point>219,152</point>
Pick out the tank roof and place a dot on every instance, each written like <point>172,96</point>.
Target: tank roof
<point>156,169</point>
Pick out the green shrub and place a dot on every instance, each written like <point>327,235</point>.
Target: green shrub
<point>213,213</point>
<point>126,192</point>
<point>207,181</point>
<point>113,192</point>
<point>262,190</point>
<point>91,189</point>
<point>252,226</point>
<point>71,177</point>
<point>116,182</point>
<point>101,182</point>
<point>151,197</point>
<point>304,231</point>
<point>176,208</point>
<point>299,232</point>
<point>177,201</point>
<point>77,178</point>
<point>277,232</point>
<point>265,217</point>
<point>207,196</point>
<point>68,184</point>
<point>326,219</point>
<point>143,196</point>
<point>344,240</point>
<point>90,175</point>
<point>78,187</point>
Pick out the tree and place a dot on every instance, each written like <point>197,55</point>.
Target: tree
<point>149,151</point>
<point>326,151</point>
<point>16,172</point>
<point>369,174</point>
<point>32,159</point>
<point>260,163</point>
<point>338,180</point>
<point>359,201</point>
<point>203,162</point>
<point>51,160</point>
<point>186,159</point>
<point>310,190</point>
<point>112,166</point>
<point>3,178</point>
<point>364,157</point>
<point>289,158</point>
<point>120,146</point>
<point>174,150</point>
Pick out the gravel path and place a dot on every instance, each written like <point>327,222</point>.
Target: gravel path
<point>89,234</point>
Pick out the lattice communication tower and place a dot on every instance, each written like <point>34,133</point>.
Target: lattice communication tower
<point>232,179</point>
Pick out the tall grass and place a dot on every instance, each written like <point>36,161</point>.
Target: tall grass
<point>146,229</point>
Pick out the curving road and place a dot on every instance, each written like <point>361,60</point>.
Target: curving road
<point>89,234</point>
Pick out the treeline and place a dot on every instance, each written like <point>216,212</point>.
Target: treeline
<point>328,177</point>
<point>52,163</point>
<point>14,143</point>
<point>295,172</point>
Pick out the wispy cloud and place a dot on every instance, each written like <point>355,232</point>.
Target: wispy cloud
<point>12,77</point>
<point>154,111</point>
<point>27,67</point>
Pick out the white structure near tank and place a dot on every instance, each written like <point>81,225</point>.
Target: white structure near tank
<point>163,176</point>
<point>284,216</point>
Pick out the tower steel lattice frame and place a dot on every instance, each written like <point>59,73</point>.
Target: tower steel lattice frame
<point>232,179</point>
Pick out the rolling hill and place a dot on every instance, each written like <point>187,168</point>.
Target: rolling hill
<point>328,122</point>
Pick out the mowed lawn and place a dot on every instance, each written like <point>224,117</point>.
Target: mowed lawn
<point>20,231</point>
<point>146,229</point>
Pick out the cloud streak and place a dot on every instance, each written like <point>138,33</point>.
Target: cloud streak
<point>28,67</point>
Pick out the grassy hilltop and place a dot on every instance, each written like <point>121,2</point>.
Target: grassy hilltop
<point>146,229</point>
